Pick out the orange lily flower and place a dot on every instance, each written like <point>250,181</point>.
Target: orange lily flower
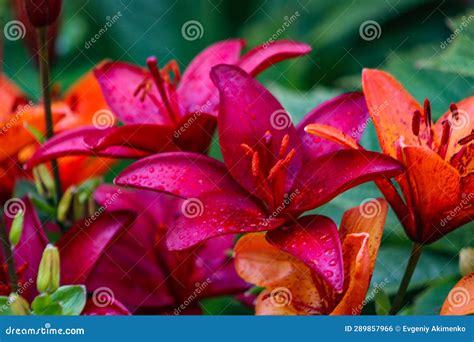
<point>77,108</point>
<point>292,288</point>
<point>438,185</point>
<point>460,300</point>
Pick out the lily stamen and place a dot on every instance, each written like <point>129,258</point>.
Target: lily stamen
<point>467,139</point>
<point>160,84</point>
<point>444,144</point>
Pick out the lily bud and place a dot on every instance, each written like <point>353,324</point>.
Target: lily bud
<point>466,260</point>
<point>49,270</point>
<point>19,306</point>
<point>16,229</point>
<point>42,12</point>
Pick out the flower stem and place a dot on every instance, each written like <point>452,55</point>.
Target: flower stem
<point>402,290</point>
<point>46,91</point>
<point>7,251</point>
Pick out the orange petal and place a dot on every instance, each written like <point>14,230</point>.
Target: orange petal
<point>391,108</point>
<point>332,134</point>
<point>77,169</point>
<point>357,270</point>
<point>260,263</point>
<point>85,99</point>
<point>461,127</point>
<point>14,136</point>
<point>460,300</point>
<point>290,286</point>
<point>435,187</point>
<point>9,93</point>
<point>368,218</point>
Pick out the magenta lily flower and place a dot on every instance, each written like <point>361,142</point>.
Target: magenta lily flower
<point>162,111</point>
<point>141,272</point>
<point>272,173</point>
<point>78,250</point>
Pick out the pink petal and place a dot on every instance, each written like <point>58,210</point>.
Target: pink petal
<point>71,143</point>
<point>263,56</point>
<point>195,131</point>
<point>314,240</point>
<point>84,243</point>
<point>250,115</point>
<point>119,82</point>
<point>29,250</point>
<point>179,173</point>
<point>325,177</point>
<point>115,308</point>
<point>149,138</point>
<point>196,91</point>
<point>216,214</point>
<point>347,112</point>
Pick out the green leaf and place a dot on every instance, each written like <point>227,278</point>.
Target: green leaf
<point>382,302</point>
<point>43,305</point>
<point>5,307</point>
<point>72,299</point>
<point>225,305</point>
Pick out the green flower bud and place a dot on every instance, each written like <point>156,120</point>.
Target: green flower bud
<point>49,270</point>
<point>19,305</point>
<point>16,229</point>
<point>466,260</point>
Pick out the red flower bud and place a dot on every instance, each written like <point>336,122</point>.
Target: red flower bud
<point>42,12</point>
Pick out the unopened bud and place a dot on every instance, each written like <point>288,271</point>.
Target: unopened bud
<point>19,306</point>
<point>49,270</point>
<point>42,12</point>
<point>466,260</point>
<point>16,228</point>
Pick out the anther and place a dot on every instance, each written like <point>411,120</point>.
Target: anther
<point>284,145</point>
<point>443,146</point>
<point>427,112</point>
<point>415,123</point>
<point>454,111</point>
<point>467,139</point>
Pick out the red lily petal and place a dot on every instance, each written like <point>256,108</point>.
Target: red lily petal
<point>325,177</point>
<point>84,243</point>
<point>263,56</point>
<point>250,116</point>
<point>70,143</point>
<point>119,81</point>
<point>29,250</point>
<point>149,138</point>
<point>315,241</point>
<point>115,308</point>
<point>196,91</point>
<point>347,112</point>
<point>216,214</point>
<point>195,131</point>
<point>179,173</point>
<point>391,108</point>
